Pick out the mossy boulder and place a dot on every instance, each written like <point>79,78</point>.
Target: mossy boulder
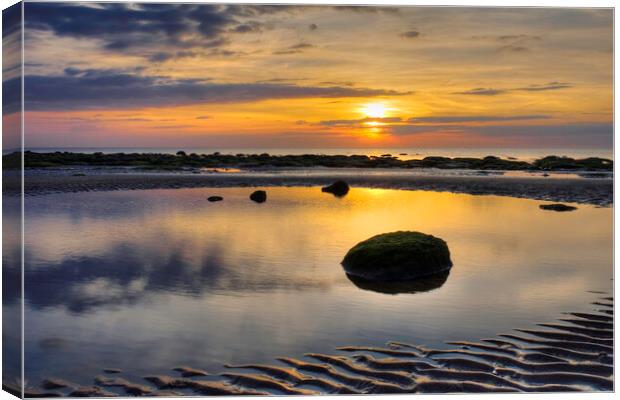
<point>557,207</point>
<point>259,196</point>
<point>338,188</point>
<point>398,256</point>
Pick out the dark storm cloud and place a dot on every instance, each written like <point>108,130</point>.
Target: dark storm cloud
<point>163,56</point>
<point>248,27</point>
<point>11,97</point>
<point>89,89</point>
<point>476,118</point>
<point>12,62</point>
<point>126,26</point>
<point>11,20</point>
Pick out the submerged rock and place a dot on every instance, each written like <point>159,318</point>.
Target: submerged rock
<point>259,196</point>
<point>398,256</point>
<point>557,207</point>
<point>338,188</point>
<point>215,198</point>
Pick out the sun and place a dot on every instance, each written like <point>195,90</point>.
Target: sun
<point>374,110</point>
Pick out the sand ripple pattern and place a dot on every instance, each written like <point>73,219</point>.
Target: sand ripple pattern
<point>575,354</point>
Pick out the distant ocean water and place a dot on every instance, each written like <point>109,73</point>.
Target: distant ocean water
<point>403,153</point>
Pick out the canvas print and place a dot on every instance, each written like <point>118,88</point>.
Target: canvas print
<point>250,199</point>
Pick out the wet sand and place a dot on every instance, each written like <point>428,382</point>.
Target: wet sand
<point>577,190</point>
<point>574,354</point>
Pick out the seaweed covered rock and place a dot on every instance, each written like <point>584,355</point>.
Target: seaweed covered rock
<point>259,196</point>
<point>215,198</point>
<point>398,256</point>
<point>557,207</point>
<point>338,188</point>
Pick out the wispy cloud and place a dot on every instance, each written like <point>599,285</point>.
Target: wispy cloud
<point>482,92</point>
<point>547,86</point>
<point>294,49</point>
<point>410,34</point>
<point>530,88</point>
<point>476,118</point>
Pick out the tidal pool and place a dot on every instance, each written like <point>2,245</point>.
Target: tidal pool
<point>149,280</point>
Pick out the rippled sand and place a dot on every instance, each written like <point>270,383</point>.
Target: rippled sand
<point>573,354</point>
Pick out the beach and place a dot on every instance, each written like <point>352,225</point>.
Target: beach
<point>574,355</point>
<point>568,187</point>
<point>148,249</point>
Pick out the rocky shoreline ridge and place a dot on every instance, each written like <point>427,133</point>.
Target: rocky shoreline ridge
<point>575,354</point>
<point>217,160</point>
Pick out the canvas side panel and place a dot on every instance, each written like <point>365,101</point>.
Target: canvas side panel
<point>11,199</point>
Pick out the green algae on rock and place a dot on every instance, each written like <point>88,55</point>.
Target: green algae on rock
<point>397,256</point>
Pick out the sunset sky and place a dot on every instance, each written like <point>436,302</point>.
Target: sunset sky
<point>120,75</point>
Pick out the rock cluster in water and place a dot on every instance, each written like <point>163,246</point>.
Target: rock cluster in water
<point>259,196</point>
<point>557,207</point>
<point>398,256</point>
<point>338,188</point>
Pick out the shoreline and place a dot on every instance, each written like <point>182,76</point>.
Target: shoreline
<point>592,191</point>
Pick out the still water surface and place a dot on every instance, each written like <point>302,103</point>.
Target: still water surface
<point>148,280</point>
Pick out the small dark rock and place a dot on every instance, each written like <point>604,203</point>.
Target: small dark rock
<point>215,198</point>
<point>557,207</point>
<point>259,196</point>
<point>338,188</point>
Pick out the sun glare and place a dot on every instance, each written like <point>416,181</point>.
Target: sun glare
<point>374,110</point>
